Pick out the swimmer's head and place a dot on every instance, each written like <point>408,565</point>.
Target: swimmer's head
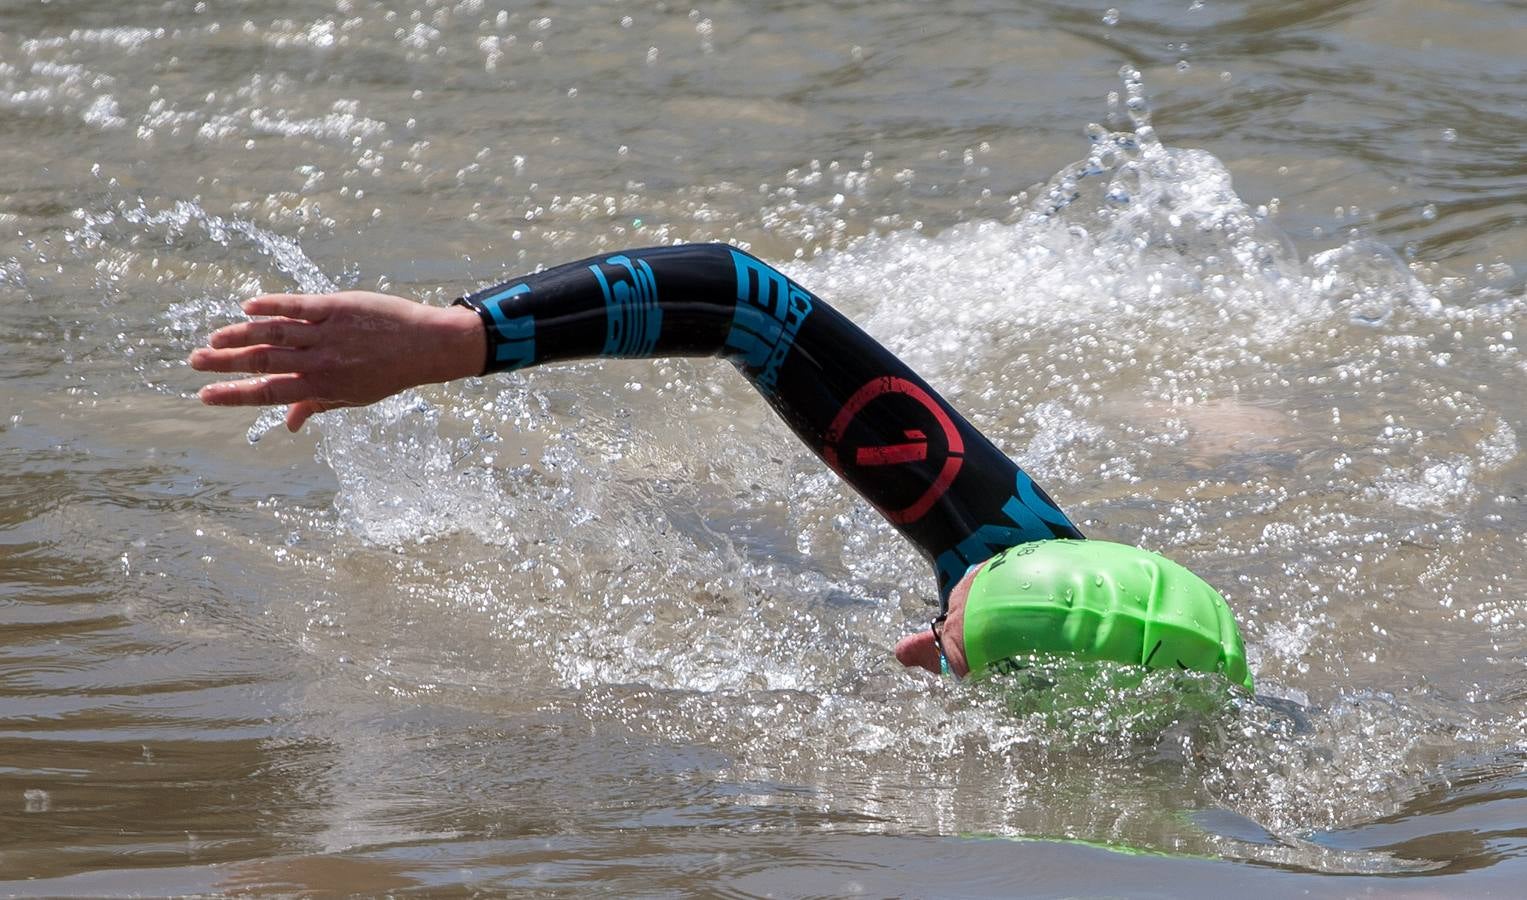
<point>1088,599</point>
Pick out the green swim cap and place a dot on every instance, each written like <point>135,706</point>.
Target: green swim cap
<point>1099,600</point>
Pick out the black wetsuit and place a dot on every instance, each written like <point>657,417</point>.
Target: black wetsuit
<point>868,416</point>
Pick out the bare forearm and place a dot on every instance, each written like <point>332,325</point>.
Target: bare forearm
<point>453,342</point>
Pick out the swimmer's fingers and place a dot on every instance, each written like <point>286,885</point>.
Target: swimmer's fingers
<point>260,358</point>
<point>282,332</point>
<point>272,390</point>
<point>269,390</point>
<point>311,307</point>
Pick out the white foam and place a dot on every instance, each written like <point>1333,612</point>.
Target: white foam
<point>1138,267</point>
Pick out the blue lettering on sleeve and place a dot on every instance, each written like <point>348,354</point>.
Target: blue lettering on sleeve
<point>515,346</point>
<point>770,311</point>
<point>1025,510</point>
<point>633,318</point>
<point>1028,492</point>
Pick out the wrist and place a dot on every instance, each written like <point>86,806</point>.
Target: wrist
<point>458,341</point>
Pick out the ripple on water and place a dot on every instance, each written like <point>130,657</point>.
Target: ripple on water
<point>610,568</point>
<point>1151,240</point>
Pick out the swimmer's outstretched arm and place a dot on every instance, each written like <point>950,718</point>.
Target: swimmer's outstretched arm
<point>862,410</point>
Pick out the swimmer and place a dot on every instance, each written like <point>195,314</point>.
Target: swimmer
<point>1015,576</point>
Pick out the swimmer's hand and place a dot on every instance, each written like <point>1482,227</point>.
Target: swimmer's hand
<point>324,351</point>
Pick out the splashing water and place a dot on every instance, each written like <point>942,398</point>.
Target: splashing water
<point>1138,236</point>
<point>630,534</point>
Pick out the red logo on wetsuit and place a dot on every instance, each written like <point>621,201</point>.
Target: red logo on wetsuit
<point>895,441</point>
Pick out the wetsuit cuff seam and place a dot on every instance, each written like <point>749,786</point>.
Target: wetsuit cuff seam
<point>488,331</point>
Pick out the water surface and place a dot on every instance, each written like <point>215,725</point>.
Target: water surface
<point>1241,284</point>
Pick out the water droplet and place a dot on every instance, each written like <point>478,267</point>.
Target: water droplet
<point>1111,17</point>
<point>1449,134</point>
<point>265,423</point>
<point>1182,65</point>
<point>1429,212</point>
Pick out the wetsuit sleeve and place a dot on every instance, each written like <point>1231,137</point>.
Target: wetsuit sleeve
<point>862,410</point>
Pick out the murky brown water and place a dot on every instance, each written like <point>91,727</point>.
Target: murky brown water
<point>607,628</point>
